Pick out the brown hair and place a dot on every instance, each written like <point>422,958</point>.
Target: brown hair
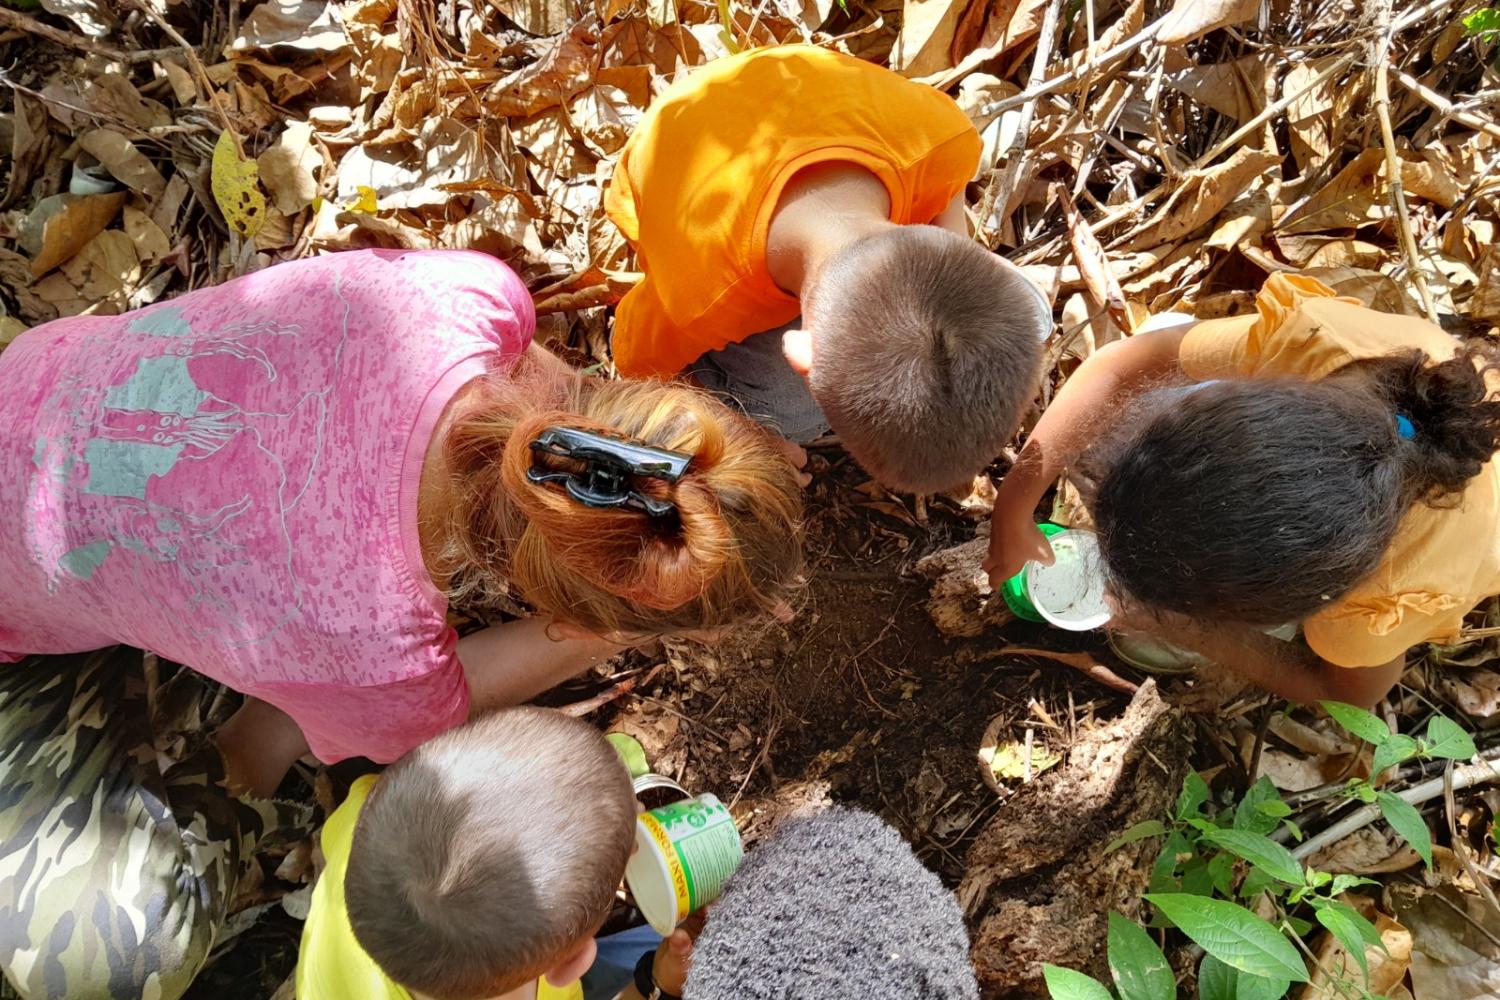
<point>927,353</point>
<point>1258,501</point>
<point>483,855</point>
<point>732,552</point>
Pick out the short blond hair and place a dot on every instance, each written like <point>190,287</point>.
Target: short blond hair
<point>927,354</point>
<point>484,854</point>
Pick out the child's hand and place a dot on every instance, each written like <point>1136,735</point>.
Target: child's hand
<point>1015,540</point>
<point>674,956</point>
<point>797,455</point>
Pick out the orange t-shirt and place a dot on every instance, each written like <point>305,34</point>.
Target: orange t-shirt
<point>699,180</point>
<point>1443,560</point>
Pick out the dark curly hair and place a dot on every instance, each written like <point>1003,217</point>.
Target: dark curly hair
<point>1257,501</point>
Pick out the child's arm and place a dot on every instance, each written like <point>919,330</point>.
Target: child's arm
<point>258,744</point>
<point>1287,669</point>
<point>1118,369</point>
<point>512,663</point>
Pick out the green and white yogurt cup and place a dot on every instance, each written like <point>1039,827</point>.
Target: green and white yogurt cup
<point>684,853</point>
<point>1068,594</point>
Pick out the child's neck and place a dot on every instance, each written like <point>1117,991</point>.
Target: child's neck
<point>822,210</point>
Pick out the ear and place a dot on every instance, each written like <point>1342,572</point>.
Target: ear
<point>797,345</point>
<point>571,967</point>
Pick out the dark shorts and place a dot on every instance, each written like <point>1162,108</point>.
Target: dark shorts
<point>754,377</point>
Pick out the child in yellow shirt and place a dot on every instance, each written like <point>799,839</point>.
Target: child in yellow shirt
<point>477,867</point>
<point>1316,462</point>
<point>794,180</point>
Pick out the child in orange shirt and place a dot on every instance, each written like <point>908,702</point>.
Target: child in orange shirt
<point>1323,464</point>
<point>796,180</point>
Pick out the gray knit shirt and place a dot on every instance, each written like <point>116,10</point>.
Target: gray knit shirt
<point>833,907</point>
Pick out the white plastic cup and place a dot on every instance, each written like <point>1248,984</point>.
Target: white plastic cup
<point>1070,592</point>
<point>684,853</point>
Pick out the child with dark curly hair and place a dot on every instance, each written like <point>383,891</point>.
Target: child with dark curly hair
<point>1316,462</point>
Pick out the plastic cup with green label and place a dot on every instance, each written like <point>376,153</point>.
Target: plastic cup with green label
<point>684,853</point>
<point>1068,594</point>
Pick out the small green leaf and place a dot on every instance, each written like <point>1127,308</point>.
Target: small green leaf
<point>1448,739</point>
<point>1256,883</point>
<point>1393,751</point>
<point>1261,807</point>
<point>1142,830</point>
<point>1343,883</point>
<point>1484,21</point>
<point>1217,981</point>
<point>1198,878</point>
<point>1194,794</point>
<point>1065,984</point>
<point>1261,851</point>
<point>1140,970</point>
<point>1366,726</point>
<point>1354,932</point>
<point>1407,822</point>
<point>1362,790</point>
<point>1233,935</point>
<point>631,752</point>
<point>1221,873</point>
<point>1164,869</point>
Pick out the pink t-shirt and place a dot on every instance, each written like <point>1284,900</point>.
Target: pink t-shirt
<point>229,479</point>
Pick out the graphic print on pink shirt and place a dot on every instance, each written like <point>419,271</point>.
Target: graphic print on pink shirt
<point>172,471</point>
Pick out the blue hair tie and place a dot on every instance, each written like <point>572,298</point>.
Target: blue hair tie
<point>1404,427</point>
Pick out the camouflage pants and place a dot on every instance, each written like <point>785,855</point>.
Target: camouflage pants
<point>115,869</point>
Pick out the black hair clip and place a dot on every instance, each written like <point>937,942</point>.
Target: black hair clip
<point>608,466</point>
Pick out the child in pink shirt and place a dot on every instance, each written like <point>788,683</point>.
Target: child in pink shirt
<point>279,481</point>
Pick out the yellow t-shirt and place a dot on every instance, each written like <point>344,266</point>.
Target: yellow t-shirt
<point>700,178</point>
<point>330,964</point>
<point>1443,561</point>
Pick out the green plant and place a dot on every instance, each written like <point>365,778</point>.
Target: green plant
<point>1220,868</point>
<point>1445,740</point>
<point>1483,23</point>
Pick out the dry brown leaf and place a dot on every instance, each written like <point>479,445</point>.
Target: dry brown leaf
<point>151,244</point>
<point>1190,19</point>
<point>1236,88</point>
<point>997,26</point>
<point>298,25</point>
<point>1374,290</point>
<point>92,17</point>
<point>164,212</point>
<point>537,17</point>
<point>1485,302</point>
<point>633,42</point>
<point>30,146</point>
<point>286,84</point>
<point>1093,265</point>
<point>287,169</point>
<point>114,96</point>
<point>1355,197</point>
<point>60,226</point>
<point>10,329</point>
<point>565,70</point>
<point>1372,850</point>
<point>184,86</point>
<point>1311,117</point>
<point>124,161</point>
<point>1454,955</point>
<point>106,265</point>
<point>925,41</point>
<point>1202,194</point>
<point>1430,180</point>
